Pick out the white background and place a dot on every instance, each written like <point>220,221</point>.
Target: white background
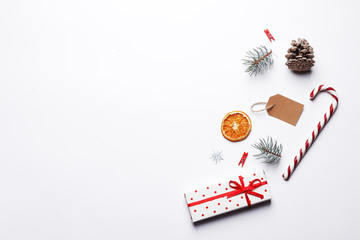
<point>110,111</point>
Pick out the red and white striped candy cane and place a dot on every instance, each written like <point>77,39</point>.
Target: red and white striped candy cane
<point>315,133</point>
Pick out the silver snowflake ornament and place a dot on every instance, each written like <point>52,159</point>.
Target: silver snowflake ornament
<point>217,156</point>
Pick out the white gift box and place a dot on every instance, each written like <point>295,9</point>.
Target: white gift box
<point>235,193</point>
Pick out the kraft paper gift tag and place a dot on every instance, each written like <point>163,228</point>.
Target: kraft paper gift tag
<point>282,108</point>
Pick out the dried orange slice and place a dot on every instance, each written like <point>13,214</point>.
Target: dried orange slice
<point>236,126</point>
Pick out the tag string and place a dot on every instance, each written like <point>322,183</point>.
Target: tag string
<point>261,103</point>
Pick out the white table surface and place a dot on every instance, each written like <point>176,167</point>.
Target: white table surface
<point>110,111</point>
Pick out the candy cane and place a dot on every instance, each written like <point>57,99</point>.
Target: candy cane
<point>315,133</point>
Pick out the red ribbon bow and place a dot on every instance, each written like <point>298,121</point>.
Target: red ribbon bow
<point>239,189</point>
<point>247,190</point>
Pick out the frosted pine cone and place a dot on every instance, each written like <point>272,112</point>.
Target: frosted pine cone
<point>300,56</point>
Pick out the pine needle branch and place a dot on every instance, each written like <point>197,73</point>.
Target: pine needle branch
<point>269,149</point>
<point>258,61</point>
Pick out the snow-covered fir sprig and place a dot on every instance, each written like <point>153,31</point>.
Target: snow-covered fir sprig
<point>269,149</point>
<point>258,61</point>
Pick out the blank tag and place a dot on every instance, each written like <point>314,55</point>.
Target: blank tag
<point>285,109</point>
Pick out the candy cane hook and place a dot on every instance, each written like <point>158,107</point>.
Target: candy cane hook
<point>315,133</point>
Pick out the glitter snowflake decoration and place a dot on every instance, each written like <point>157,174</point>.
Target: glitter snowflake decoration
<point>217,156</point>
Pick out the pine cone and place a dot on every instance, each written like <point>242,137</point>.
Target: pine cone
<point>300,56</point>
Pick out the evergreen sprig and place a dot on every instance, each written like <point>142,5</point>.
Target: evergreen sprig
<point>258,61</point>
<point>269,149</point>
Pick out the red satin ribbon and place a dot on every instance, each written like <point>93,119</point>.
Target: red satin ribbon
<point>239,189</point>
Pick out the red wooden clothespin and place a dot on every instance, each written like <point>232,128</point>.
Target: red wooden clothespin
<point>268,34</point>
<point>243,158</point>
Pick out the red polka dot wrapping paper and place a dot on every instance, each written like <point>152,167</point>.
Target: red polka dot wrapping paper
<point>205,202</point>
